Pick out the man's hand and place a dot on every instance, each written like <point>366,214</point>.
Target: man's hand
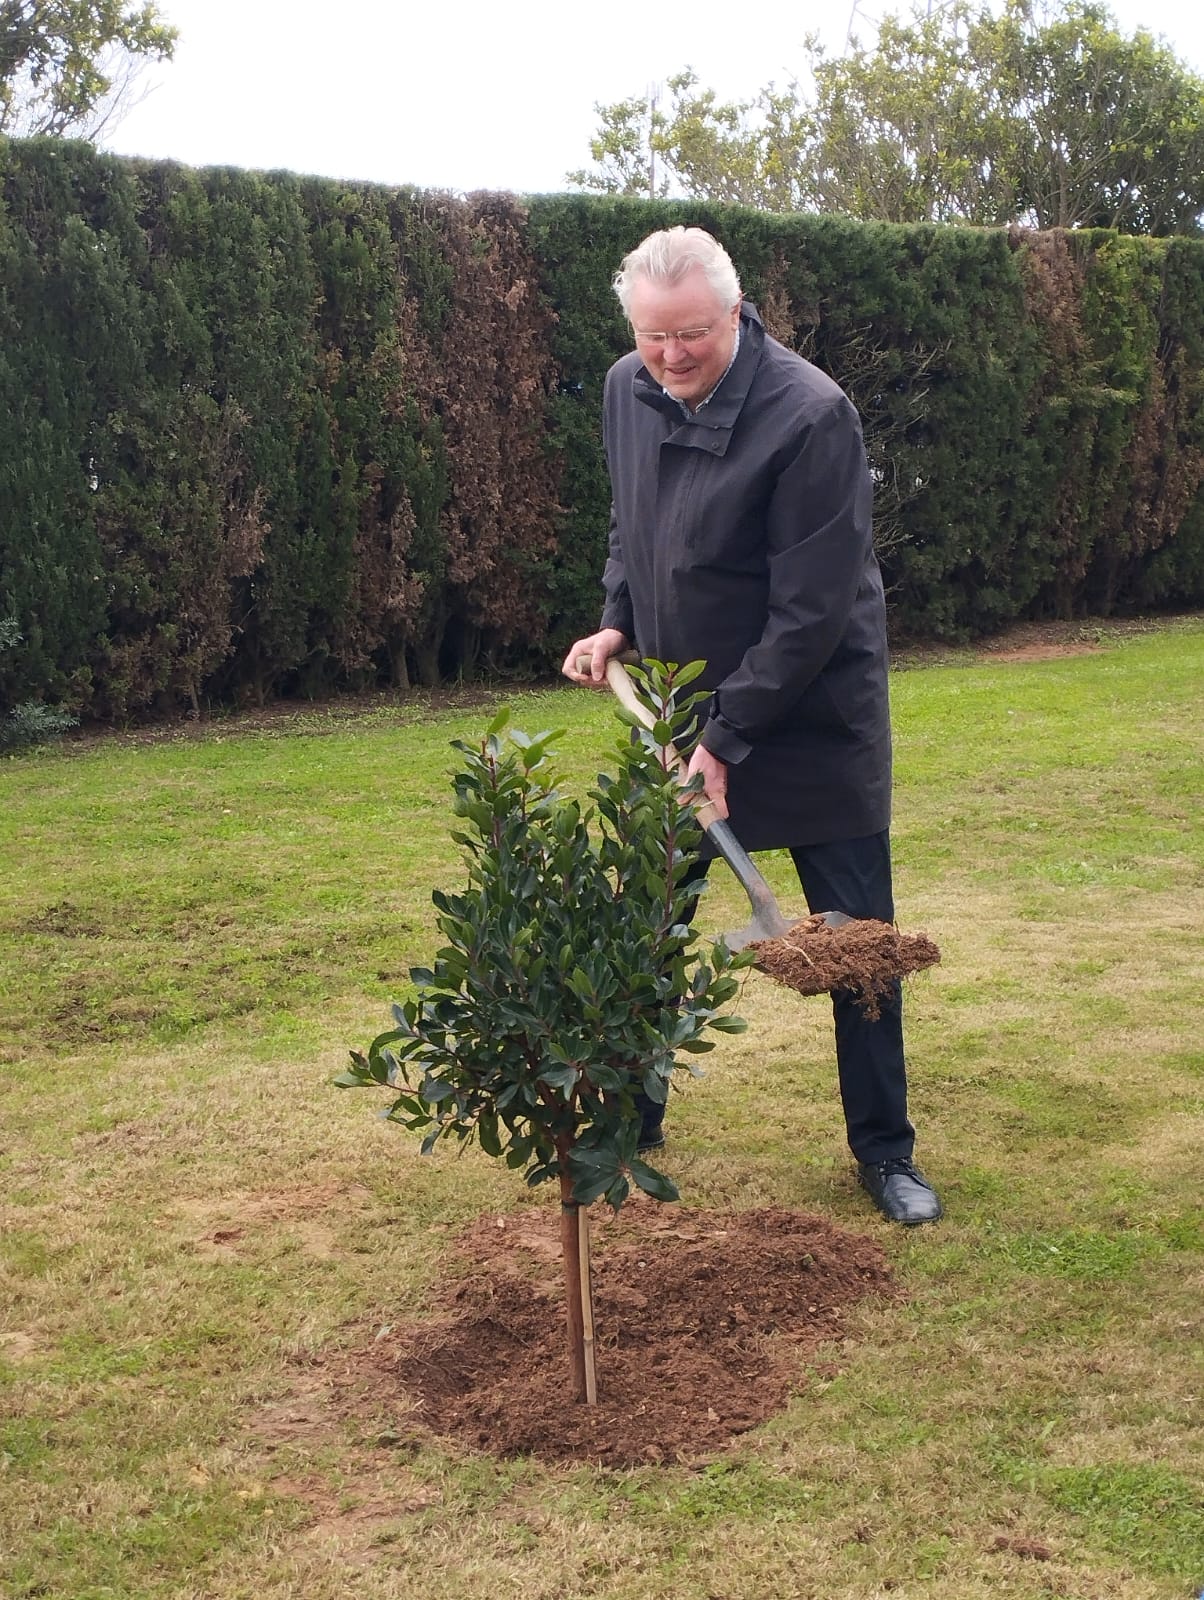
<point>714,777</point>
<point>599,647</point>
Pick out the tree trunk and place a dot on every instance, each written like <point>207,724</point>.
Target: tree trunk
<point>399,673</point>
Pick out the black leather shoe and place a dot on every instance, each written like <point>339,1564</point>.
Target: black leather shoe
<point>900,1191</point>
<point>651,1141</point>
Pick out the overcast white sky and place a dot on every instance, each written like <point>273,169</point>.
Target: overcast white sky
<point>470,95</point>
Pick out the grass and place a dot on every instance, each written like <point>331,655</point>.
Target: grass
<point>195,1227</point>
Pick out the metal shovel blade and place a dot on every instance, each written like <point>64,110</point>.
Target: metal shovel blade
<point>768,922</point>
<point>761,927</point>
<point>753,932</point>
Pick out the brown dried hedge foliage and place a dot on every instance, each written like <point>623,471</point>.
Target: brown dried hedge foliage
<point>480,378</point>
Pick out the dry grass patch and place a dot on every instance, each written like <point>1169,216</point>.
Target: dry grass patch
<point>200,1239</point>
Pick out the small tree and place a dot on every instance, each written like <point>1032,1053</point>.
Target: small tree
<point>569,980</point>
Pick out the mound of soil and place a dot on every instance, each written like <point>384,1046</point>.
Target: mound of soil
<point>703,1324</point>
<point>863,956</point>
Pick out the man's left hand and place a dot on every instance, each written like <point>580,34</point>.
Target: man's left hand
<point>714,777</point>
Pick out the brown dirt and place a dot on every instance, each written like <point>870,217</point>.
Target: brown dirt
<point>1041,652</point>
<point>704,1324</point>
<point>863,956</point>
<point>1030,1549</point>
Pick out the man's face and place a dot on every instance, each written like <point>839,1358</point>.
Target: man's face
<point>689,369</point>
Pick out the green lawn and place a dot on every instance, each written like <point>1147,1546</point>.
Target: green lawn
<point>196,1228</point>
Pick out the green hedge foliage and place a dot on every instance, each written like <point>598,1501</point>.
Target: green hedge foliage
<point>1033,403</point>
<point>264,435</point>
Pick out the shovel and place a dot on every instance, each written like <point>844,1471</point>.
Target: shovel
<point>767,919</point>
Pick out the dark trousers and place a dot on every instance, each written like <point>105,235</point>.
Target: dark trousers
<point>854,876</point>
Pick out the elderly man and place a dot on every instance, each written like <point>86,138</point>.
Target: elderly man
<point>740,533</point>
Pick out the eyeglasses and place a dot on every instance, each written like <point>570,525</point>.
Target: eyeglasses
<point>686,336</point>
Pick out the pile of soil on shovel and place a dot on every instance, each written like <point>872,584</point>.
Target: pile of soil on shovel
<point>704,1325</point>
<point>862,956</point>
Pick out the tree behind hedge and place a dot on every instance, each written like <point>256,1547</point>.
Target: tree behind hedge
<point>1042,115</point>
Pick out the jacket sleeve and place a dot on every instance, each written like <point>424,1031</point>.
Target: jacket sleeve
<point>617,611</point>
<point>819,540</point>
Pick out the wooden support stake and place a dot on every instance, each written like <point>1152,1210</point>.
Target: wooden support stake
<point>587,1306</point>
<point>570,1249</point>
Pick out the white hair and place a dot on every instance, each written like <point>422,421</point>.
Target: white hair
<point>666,257</point>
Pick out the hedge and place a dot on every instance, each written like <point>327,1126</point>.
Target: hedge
<point>265,435</point>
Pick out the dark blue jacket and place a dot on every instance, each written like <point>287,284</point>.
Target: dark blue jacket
<point>742,535</point>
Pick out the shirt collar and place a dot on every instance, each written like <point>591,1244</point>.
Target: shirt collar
<point>726,400</point>
<point>684,407</point>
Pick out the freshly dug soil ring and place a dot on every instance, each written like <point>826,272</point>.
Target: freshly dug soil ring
<point>865,957</point>
<point>705,1321</point>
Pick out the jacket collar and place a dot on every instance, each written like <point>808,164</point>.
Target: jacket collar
<point>710,429</point>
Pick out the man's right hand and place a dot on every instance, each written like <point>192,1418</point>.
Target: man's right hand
<point>597,649</point>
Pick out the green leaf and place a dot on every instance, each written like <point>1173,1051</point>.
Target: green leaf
<point>543,1173</point>
<point>728,1024</point>
<point>382,1066</point>
<point>631,719</point>
<point>653,1182</point>
<point>655,1087</point>
<point>407,1102</point>
<point>606,1078</point>
<point>559,1077</point>
<point>587,1189</point>
<point>594,1163</point>
<point>519,1152</point>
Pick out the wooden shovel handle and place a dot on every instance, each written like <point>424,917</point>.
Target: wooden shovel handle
<point>768,921</point>
<point>624,691</point>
